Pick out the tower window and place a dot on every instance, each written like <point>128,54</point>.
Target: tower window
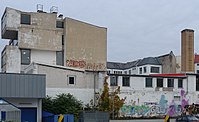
<point>25,19</point>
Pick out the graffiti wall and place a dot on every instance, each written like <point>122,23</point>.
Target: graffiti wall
<point>159,108</point>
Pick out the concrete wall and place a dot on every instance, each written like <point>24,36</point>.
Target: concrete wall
<point>86,45</point>
<point>85,95</point>
<point>38,38</point>
<point>12,14</point>
<point>168,63</point>
<point>42,56</point>
<point>12,59</point>
<point>57,77</point>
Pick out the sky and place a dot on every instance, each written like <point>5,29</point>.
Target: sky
<point>135,28</point>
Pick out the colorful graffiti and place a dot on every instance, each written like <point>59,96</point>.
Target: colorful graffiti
<point>155,108</point>
<point>83,64</point>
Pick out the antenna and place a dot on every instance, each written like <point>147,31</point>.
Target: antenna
<point>54,9</point>
<point>39,8</point>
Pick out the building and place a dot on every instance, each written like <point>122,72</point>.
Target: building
<point>51,39</point>
<point>23,94</point>
<point>150,65</point>
<point>155,94</point>
<point>187,50</point>
<point>71,53</point>
<point>152,87</point>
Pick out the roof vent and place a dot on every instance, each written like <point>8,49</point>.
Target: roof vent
<point>54,9</point>
<point>60,16</point>
<point>39,8</point>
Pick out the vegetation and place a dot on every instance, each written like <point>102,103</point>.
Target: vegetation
<point>110,101</point>
<point>62,104</point>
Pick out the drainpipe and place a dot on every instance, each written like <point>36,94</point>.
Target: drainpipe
<point>187,86</point>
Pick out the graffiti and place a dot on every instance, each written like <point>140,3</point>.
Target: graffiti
<point>73,63</point>
<point>156,108</point>
<point>83,64</point>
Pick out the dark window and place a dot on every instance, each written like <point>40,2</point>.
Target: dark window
<point>125,81</point>
<point>113,81</point>
<point>197,71</point>
<point>25,19</point>
<point>197,84</point>
<point>62,39</point>
<point>180,83</point>
<point>170,82</point>
<point>129,72</point>
<point>71,79</point>
<point>144,69</point>
<point>149,82</point>
<point>59,24</point>
<point>155,69</point>
<point>159,82</point>
<point>25,56</point>
<point>59,58</point>
<point>140,70</point>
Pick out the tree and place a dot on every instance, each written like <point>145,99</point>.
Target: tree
<point>110,101</point>
<point>62,104</point>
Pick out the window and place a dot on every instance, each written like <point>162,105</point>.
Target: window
<point>25,19</point>
<point>197,71</point>
<point>159,82</point>
<point>155,69</point>
<point>125,72</point>
<point>170,82</point>
<point>149,82</point>
<point>71,80</point>
<point>197,84</point>
<point>180,83</point>
<point>59,24</point>
<point>62,39</point>
<point>144,69</point>
<point>113,81</point>
<point>59,58</point>
<point>25,56</point>
<point>125,81</point>
<point>141,70</point>
<point>129,72</point>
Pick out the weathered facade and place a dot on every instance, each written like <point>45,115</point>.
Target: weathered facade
<point>54,40</point>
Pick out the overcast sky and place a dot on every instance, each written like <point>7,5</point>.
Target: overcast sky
<point>136,28</point>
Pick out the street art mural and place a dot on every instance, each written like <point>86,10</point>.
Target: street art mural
<point>159,108</point>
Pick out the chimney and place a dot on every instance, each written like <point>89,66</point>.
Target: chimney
<point>187,50</point>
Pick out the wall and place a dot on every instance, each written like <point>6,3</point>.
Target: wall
<point>142,101</point>
<point>42,56</point>
<point>85,45</point>
<point>168,63</point>
<point>83,94</point>
<point>56,77</point>
<point>12,59</point>
<point>38,38</point>
<point>12,14</point>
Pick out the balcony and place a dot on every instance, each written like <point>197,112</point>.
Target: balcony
<point>9,24</point>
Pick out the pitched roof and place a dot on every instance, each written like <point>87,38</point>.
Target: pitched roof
<point>149,60</point>
<point>128,65</point>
